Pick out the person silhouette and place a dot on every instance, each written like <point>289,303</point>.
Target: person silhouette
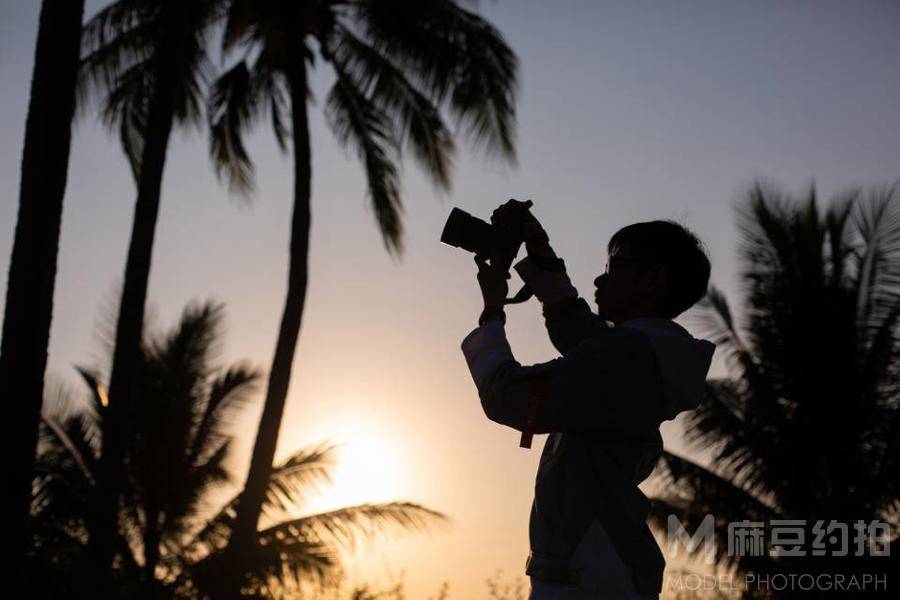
<point>621,373</point>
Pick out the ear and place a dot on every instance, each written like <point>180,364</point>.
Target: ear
<point>653,282</point>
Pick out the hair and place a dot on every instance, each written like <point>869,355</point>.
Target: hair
<point>680,252</point>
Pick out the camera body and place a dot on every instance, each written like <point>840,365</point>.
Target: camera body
<point>489,240</point>
<point>481,238</point>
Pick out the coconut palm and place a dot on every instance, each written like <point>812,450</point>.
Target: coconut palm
<point>146,60</point>
<point>396,63</point>
<point>167,538</point>
<point>807,424</point>
<point>32,268</point>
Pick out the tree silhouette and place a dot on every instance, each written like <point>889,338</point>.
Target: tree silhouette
<point>396,63</point>
<point>807,424</point>
<point>167,545</point>
<point>32,268</point>
<point>147,61</point>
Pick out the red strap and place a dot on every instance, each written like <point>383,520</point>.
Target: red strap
<point>538,393</point>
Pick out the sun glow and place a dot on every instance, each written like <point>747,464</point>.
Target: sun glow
<point>369,467</point>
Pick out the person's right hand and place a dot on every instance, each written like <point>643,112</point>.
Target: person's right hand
<point>536,240</point>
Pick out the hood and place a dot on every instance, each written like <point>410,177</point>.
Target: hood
<point>683,362</point>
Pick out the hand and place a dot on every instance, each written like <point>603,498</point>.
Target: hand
<point>536,240</point>
<point>492,279</point>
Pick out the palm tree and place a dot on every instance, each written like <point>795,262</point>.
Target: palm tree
<point>32,269</point>
<point>396,63</point>
<point>807,425</point>
<point>166,541</point>
<point>147,60</point>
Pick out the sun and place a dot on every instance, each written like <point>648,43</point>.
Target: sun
<point>369,467</point>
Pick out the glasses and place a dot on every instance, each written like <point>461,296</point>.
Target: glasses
<point>618,258</point>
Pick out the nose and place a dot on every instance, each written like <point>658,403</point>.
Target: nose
<point>599,280</point>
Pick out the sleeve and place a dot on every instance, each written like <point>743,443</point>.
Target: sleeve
<point>509,392</point>
<point>568,318</point>
<point>605,384</point>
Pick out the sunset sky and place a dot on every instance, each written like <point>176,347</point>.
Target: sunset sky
<point>628,111</point>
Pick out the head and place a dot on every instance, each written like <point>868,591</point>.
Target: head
<point>654,269</point>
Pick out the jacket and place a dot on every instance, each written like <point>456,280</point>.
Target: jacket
<point>601,402</point>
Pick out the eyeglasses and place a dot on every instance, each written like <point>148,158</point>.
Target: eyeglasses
<point>623,259</point>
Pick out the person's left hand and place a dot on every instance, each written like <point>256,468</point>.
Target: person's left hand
<point>492,279</point>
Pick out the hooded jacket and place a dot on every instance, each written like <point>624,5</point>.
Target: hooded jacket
<point>602,402</point>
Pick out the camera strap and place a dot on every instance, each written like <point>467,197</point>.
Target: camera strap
<point>555,265</point>
<point>522,295</point>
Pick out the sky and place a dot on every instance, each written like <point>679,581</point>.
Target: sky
<point>628,111</point>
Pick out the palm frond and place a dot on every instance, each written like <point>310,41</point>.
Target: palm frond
<point>228,393</point>
<point>126,107</point>
<point>196,484</point>
<point>758,394</point>
<point>419,122</point>
<point>456,56</point>
<point>195,342</point>
<point>294,479</point>
<point>124,47</point>
<point>74,438</point>
<point>359,122</point>
<point>64,475</point>
<point>765,232</point>
<point>110,49</point>
<point>838,227</point>
<point>291,562</point>
<point>878,264</point>
<point>707,492</point>
<point>233,106</point>
<point>344,527</point>
<point>111,21</point>
<point>720,423</point>
<point>270,568</point>
<point>289,485</point>
<point>717,323</point>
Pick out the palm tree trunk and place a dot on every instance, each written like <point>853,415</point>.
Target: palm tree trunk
<point>32,269</point>
<point>248,511</point>
<point>129,328</point>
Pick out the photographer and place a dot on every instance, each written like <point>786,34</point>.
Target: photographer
<point>621,373</point>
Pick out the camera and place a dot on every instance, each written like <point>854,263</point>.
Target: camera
<point>484,239</point>
<point>464,231</point>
